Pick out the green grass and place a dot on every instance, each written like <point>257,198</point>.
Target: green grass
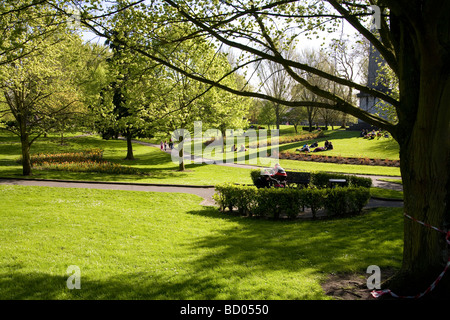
<point>386,193</point>
<point>157,166</point>
<point>141,245</point>
<point>348,144</point>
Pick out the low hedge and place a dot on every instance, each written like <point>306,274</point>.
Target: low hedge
<point>321,179</point>
<point>275,202</point>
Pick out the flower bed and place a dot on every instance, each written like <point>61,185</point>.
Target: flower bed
<point>338,159</point>
<point>84,161</point>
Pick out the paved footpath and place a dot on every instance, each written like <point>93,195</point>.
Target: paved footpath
<point>203,191</point>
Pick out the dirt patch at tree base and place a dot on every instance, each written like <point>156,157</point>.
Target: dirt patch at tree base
<point>351,286</point>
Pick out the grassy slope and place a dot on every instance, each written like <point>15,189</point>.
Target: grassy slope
<point>139,245</point>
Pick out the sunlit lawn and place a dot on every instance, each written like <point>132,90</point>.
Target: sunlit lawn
<point>140,245</point>
<point>158,166</point>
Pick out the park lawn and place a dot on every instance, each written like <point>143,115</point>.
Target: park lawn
<point>349,144</point>
<point>347,140</point>
<point>386,193</point>
<point>313,166</point>
<point>143,245</point>
<point>156,165</point>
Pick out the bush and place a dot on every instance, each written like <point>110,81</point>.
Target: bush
<point>255,174</point>
<point>321,179</point>
<point>274,202</point>
<point>346,201</point>
<point>234,196</point>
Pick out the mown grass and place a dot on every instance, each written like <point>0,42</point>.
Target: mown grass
<point>157,165</point>
<point>349,144</point>
<point>142,245</point>
<point>386,193</point>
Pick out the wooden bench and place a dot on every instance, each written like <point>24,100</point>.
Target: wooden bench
<point>296,179</point>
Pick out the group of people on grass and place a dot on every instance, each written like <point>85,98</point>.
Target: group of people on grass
<point>366,134</point>
<point>314,147</point>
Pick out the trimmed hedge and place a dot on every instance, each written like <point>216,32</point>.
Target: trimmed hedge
<point>321,179</point>
<point>275,202</point>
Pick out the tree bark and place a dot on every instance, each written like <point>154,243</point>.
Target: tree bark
<point>181,156</point>
<point>423,134</point>
<point>26,159</point>
<point>130,155</point>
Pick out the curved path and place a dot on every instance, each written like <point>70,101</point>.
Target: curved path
<point>206,192</point>
<point>376,180</point>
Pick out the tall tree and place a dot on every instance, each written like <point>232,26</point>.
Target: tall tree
<point>42,88</point>
<point>414,40</point>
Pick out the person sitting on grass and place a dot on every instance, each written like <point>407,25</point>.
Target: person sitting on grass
<point>319,149</point>
<point>329,146</point>
<point>305,148</point>
<point>242,148</point>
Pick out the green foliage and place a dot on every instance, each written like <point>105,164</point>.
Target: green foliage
<point>275,202</point>
<point>345,201</point>
<point>321,179</point>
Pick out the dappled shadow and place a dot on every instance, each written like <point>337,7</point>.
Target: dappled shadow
<point>224,259</point>
<point>326,246</point>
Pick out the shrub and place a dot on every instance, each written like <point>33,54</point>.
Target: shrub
<point>313,198</point>
<point>345,201</point>
<point>255,174</point>
<point>274,202</point>
<point>321,179</point>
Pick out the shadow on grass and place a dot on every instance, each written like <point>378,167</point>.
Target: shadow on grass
<point>328,246</point>
<point>231,260</point>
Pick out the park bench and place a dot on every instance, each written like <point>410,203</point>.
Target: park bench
<point>297,179</point>
<point>337,183</point>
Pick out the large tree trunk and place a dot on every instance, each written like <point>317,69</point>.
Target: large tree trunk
<point>424,138</point>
